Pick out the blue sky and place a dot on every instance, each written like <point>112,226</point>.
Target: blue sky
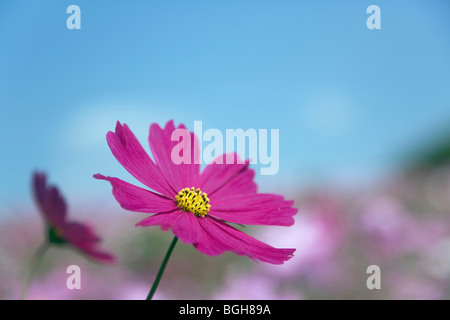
<point>349,102</point>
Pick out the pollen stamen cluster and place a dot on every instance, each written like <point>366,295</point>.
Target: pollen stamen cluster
<point>193,200</point>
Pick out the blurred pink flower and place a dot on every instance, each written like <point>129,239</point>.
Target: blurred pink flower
<point>384,223</point>
<point>196,205</point>
<point>388,229</point>
<point>253,286</point>
<point>415,287</point>
<point>317,234</point>
<point>61,231</point>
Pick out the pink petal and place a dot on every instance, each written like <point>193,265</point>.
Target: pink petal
<point>184,225</point>
<point>129,152</point>
<point>263,209</point>
<point>178,175</point>
<point>50,201</point>
<point>208,244</point>
<point>82,237</point>
<point>101,256</point>
<point>164,220</point>
<point>219,237</point>
<point>79,234</point>
<point>213,237</point>
<point>223,180</point>
<point>134,198</point>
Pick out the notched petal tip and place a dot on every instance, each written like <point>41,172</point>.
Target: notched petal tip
<point>119,133</point>
<point>119,127</point>
<point>284,256</point>
<point>39,182</point>
<point>39,176</point>
<point>170,124</point>
<point>155,126</point>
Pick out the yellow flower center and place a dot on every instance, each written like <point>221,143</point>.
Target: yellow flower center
<point>192,200</point>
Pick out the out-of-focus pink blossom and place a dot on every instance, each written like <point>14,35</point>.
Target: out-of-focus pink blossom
<point>253,286</point>
<point>60,230</point>
<point>318,233</point>
<point>388,229</point>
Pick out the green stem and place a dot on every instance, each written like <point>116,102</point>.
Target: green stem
<point>32,268</point>
<point>161,269</point>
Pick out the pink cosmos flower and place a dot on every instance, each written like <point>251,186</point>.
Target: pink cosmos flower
<point>196,205</point>
<point>61,231</point>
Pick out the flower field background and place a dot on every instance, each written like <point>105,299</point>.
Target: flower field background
<point>401,225</point>
<point>364,150</point>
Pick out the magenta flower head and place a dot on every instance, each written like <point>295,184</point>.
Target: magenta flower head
<point>196,205</point>
<point>61,231</point>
